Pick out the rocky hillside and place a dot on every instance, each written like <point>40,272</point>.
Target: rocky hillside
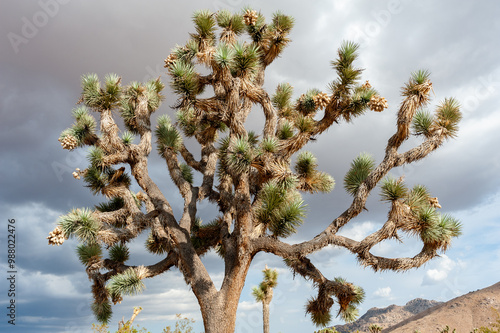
<point>388,316</point>
<point>463,313</point>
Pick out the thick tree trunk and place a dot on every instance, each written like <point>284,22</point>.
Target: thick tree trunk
<point>219,312</point>
<point>219,309</point>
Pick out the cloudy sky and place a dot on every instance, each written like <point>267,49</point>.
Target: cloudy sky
<point>47,45</point>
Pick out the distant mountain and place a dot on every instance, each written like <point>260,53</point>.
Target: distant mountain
<point>463,313</point>
<point>389,316</point>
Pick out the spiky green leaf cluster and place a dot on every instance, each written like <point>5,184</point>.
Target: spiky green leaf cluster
<point>348,75</point>
<point>188,52</point>
<point>270,281</point>
<point>282,97</point>
<point>421,123</point>
<point>306,164</point>
<point>448,116</point>
<point>88,252</point>
<point>185,80</point>
<point>96,156</point>
<point>126,283</point>
<point>202,235</point>
<point>285,130</point>
<point>257,30</point>
<point>358,102</point>
<point>111,205</point>
<point>83,129</point>
<point>223,164</point>
<point>85,125</point>
<point>360,168</point>
<point>281,23</point>
<point>102,311</point>
<point>304,124</point>
<point>246,59</point>
<point>91,88</point>
<point>240,154</point>
<point>230,21</point>
<point>134,94</point>
<point>127,138</point>
<point>319,311</point>
<point>417,80</point>
<point>80,223</point>
<point>97,178</point>
<point>119,253</point>
<point>258,293</point>
<point>305,104</point>
<point>154,245</point>
<point>253,138</point>
<point>129,102</point>
<point>269,144</point>
<point>280,209</point>
<point>153,94</point>
<point>440,229</point>
<point>225,56</point>
<point>111,91</point>
<point>420,76</point>
<point>204,23</point>
<point>167,135</point>
<point>350,314</point>
<point>187,172</point>
<point>276,34</point>
<point>99,98</point>
<point>433,228</point>
<point>418,197</point>
<point>393,189</point>
<point>186,119</point>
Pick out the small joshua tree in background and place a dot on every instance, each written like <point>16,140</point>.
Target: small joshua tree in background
<point>264,293</point>
<point>255,181</point>
<point>374,328</point>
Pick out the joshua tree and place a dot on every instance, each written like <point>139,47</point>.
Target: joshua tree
<point>255,181</point>
<point>264,293</point>
<point>374,328</point>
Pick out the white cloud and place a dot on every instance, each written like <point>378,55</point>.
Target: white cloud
<point>435,275</point>
<point>358,231</point>
<point>39,285</point>
<point>444,266</point>
<point>248,306</point>
<point>383,292</point>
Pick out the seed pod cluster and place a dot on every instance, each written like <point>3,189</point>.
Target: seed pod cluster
<point>69,142</point>
<point>378,103</point>
<point>366,85</point>
<point>77,174</point>
<point>56,237</point>
<point>141,196</point>
<point>169,61</point>
<point>434,202</point>
<point>321,100</point>
<point>250,17</point>
<point>117,299</point>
